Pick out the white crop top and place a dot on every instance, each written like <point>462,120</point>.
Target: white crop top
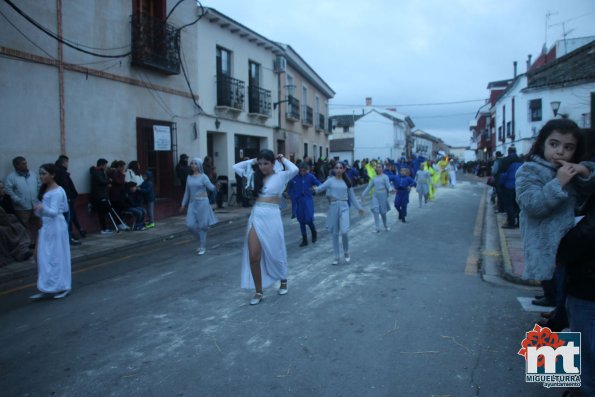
<point>275,183</point>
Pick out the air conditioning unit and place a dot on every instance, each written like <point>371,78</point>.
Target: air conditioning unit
<point>280,64</point>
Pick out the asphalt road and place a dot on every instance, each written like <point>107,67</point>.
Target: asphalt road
<point>402,319</point>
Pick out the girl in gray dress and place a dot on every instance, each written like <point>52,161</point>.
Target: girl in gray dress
<point>341,196</point>
<point>200,213</point>
<point>380,187</point>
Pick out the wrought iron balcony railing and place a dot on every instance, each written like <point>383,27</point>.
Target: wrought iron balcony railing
<point>293,108</point>
<point>155,44</point>
<point>307,115</point>
<point>259,101</point>
<point>320,125</point>
<point>230,92</point>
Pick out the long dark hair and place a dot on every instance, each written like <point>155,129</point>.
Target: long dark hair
<point>50,169</point>
<point>563,126</point>
<point>133,165</point>
<point>264,154</point>
<point>344,176</point>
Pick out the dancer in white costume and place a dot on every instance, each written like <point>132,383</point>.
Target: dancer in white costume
<point>200,214</point>
<point>264,259</point>
<point>54,278</point>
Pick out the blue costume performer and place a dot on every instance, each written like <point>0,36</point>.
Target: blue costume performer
<point>403,184</point>
<point>302,204</point>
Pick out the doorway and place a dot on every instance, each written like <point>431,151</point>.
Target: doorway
<point>157,155</point>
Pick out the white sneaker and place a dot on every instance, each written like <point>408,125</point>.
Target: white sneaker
<point>387,229</point>
<point>283,291</point>
<point>335,261</point>
<point>201,251</point>
<point>106,231</point>
<point>347,258</point>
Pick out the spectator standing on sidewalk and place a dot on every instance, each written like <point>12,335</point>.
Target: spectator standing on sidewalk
<point>100,184</point>
<point>116,174</point>
<point>23,186</point>
<point>182,170</point>
<point>264,259</point>
<point>200,213</point>
<point>340,193</point>
<point>54,278</point>
<point>149,196</point>
<point>496,174</point>
<point>546,191</point>
<point>506,183</point>
<point>576,254</point>
<point>65,182</point>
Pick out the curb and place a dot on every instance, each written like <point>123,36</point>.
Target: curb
<point>506,262</point>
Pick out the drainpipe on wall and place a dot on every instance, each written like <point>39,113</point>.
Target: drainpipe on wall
<point>61,78</point>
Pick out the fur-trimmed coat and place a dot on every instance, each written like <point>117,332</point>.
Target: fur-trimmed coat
<point>547,213</point>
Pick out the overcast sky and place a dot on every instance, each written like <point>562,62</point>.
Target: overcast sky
<point>404,52</point>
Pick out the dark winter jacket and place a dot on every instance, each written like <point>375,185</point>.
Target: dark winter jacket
<point>577,254</point>
<point>62,178</point>
<point>99,184</point>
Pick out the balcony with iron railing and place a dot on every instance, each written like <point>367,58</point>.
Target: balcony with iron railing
<point>155,44</point>
<point>293,108</point>
<point>307,115</point>
<point>320,125</point>
<point>259,101</point>
<point>230,93</point>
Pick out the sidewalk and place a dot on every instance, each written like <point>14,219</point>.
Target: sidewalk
<point>96,245</point>
<point>511,246</point>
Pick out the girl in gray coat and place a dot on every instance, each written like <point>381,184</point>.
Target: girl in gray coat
<point>547,192</point>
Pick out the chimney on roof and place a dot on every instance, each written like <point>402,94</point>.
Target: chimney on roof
<point>514,66</point>
<point>369,101</point>
<point>528,62</point>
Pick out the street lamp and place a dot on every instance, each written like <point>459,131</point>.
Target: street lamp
<point>555,107</point>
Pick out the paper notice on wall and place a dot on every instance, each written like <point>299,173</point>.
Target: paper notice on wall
<point>162,137</point>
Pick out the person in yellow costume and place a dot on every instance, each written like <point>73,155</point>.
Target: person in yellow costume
<point>371,171</point>
<point>443,168</point>
<point>432,180</point>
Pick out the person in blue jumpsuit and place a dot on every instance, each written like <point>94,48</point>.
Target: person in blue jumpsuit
<point>302,204</point>
<point>403,184</point>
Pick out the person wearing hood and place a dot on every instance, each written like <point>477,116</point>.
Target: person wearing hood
<point>65,182</point>
<point>200,213</point>
<point>149,195</point>
<point>100,184</point>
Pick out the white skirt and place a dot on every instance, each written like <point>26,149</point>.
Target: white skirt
<point>53,256</point>
<point>266,221</point>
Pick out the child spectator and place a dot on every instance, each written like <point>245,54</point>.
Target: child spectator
<point>547,194</point>
<point>133,203</point>
<point>149,196</point>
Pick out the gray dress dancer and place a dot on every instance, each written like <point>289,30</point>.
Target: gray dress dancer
<point>337,221</point>
<point>200,214</point>
<point>379,204</point>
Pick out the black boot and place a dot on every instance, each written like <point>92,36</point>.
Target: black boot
<point>304,241</point>
<point>314,236</point>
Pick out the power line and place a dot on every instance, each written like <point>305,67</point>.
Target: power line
<point>414,104</point>
<point>60,39</point>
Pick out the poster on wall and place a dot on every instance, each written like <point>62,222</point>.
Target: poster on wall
<point>161,138</point>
